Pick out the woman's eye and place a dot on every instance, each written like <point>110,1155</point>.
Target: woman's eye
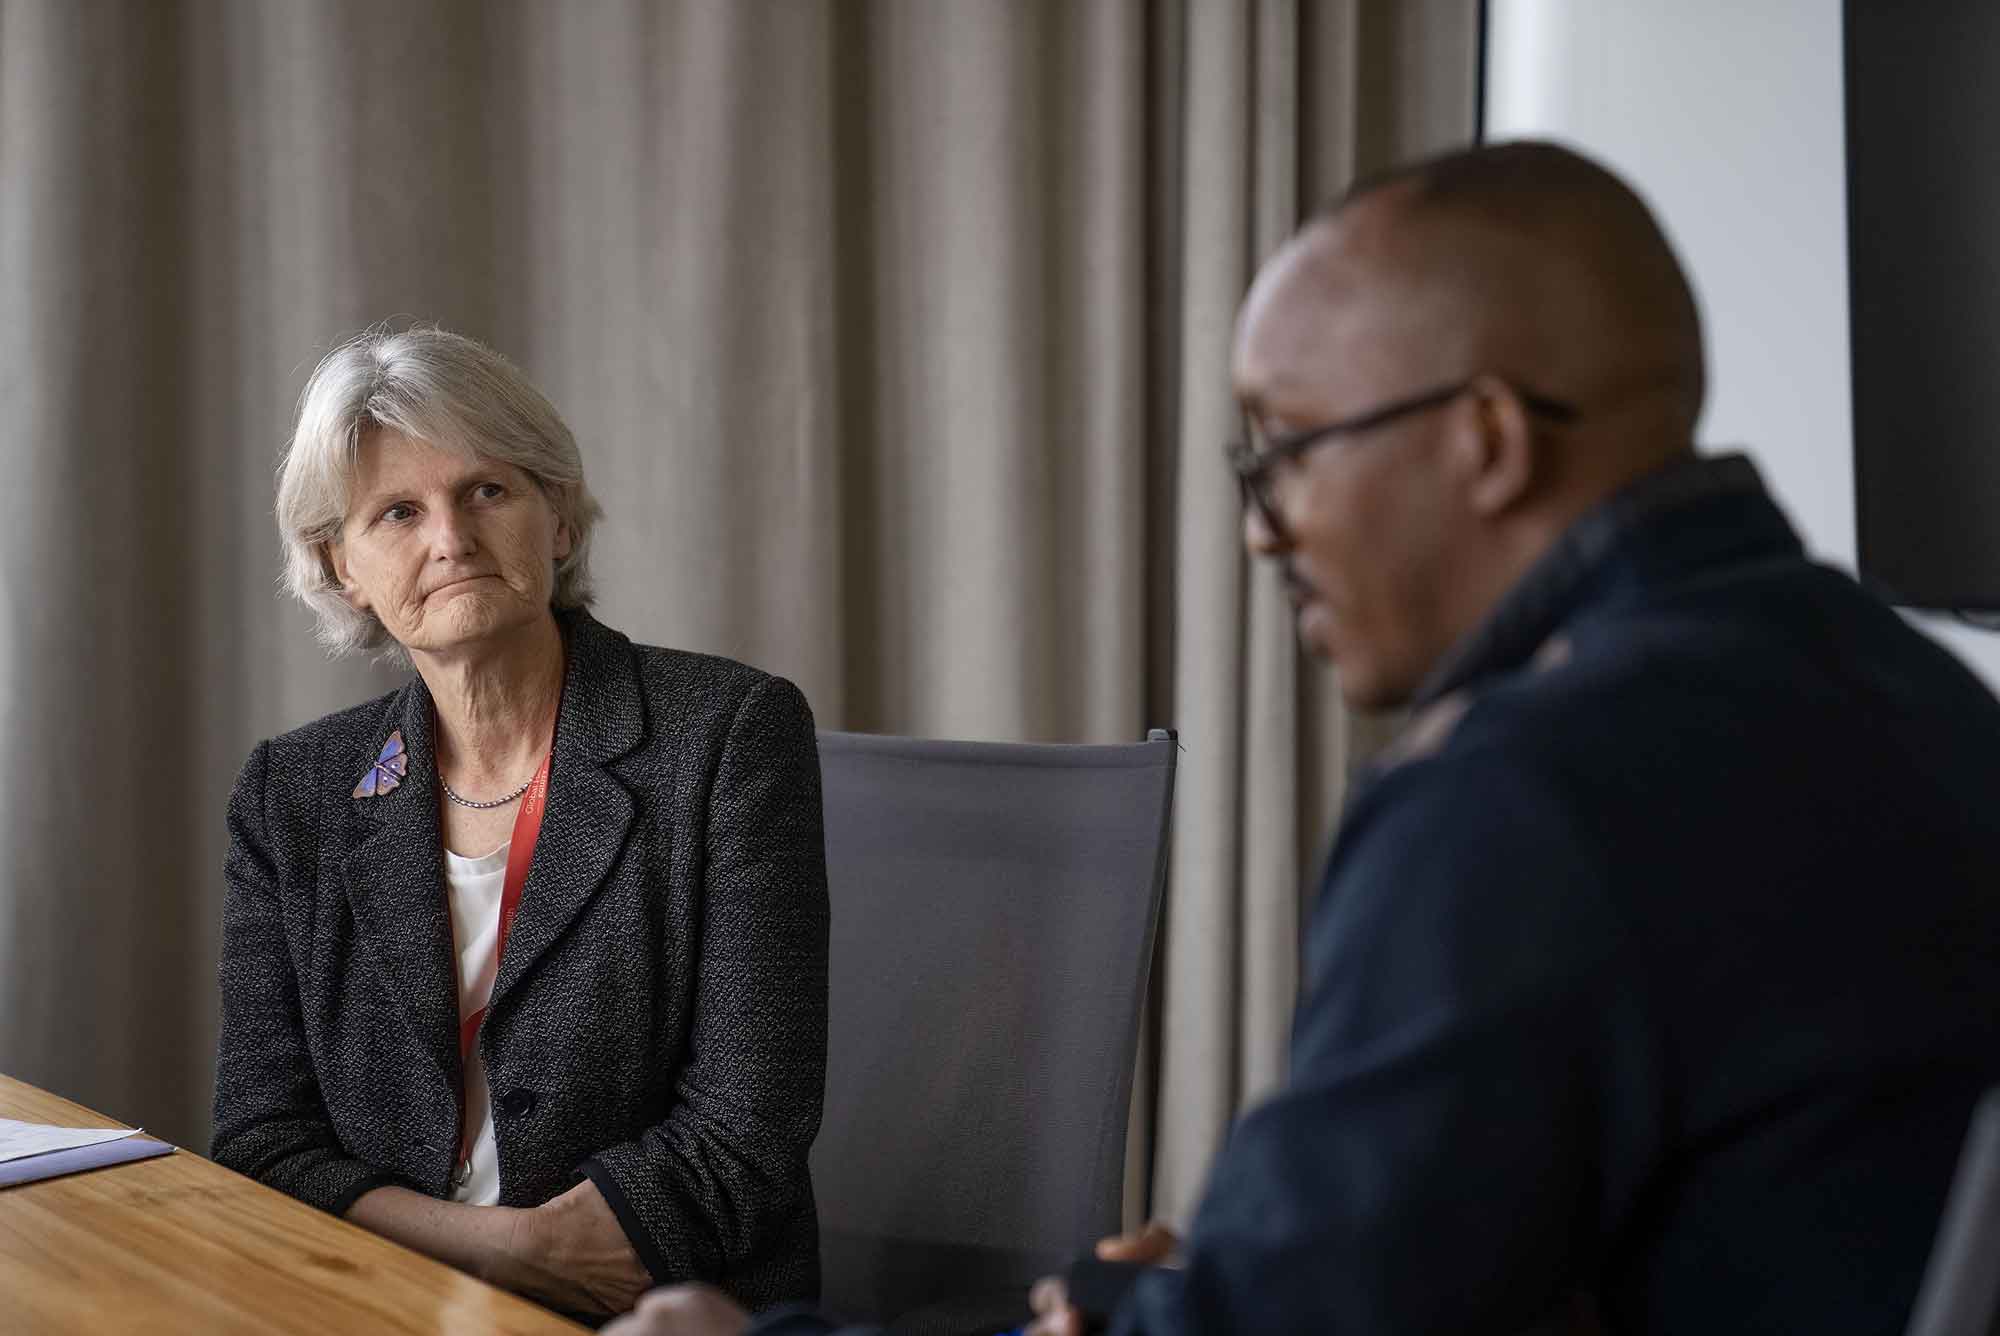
<point>489,491</point>
<point>397,513</point>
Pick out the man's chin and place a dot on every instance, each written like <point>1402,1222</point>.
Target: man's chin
<point>1316,631</point>
<point>1365,686</point>
<point>1365,695</point>
<point>1362,686</point>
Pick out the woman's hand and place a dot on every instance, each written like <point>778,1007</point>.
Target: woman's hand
<point>570,1252</point>
<point>1053,1314</point>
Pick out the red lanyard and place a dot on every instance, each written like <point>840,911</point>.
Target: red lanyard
<point>520,853</point>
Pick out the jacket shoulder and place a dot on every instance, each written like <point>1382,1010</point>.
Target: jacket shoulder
<point>687,683</point>
<point>280,783</point>
<point>339,737</point>
<point>683,667</point>
<point>340,729</point>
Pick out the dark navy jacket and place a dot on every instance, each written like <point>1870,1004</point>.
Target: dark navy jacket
<point>1659,960</point>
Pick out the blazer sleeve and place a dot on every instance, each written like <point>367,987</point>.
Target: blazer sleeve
<point>270,1121</point>
<point>718,1181</point>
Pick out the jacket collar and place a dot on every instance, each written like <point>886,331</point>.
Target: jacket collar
<point>1690,518</point>
<point>394,869</point>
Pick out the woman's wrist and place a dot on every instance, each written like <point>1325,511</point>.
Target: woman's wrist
<point>502,1245</point>
<point>519,1257</point>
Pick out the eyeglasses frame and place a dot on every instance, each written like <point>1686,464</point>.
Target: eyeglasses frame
<point>1255,468</point>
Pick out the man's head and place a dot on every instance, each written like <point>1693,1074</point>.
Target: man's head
<point>1525,274</point>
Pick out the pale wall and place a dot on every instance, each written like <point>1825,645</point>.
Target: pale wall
<point>1727,116</point>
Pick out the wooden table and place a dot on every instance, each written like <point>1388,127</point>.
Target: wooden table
<point>181,1245</point>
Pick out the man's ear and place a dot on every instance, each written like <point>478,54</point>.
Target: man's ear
<point>1501,448</point>
<point>334,557</point>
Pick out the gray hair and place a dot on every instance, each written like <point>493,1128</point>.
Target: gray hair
<point>433,386</point>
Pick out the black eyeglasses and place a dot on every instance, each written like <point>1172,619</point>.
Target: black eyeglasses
<point>1255,460</point>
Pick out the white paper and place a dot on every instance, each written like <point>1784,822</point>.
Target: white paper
<point>20,1140</point>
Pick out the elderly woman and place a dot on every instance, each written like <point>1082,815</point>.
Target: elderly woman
<point>523,964</point>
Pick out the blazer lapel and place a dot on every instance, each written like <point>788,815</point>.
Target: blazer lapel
<point>589,812</point>
<point>395,883</point>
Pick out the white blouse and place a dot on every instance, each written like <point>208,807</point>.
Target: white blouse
<point>474,886</point>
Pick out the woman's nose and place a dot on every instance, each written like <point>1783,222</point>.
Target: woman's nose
<point>451,536</point>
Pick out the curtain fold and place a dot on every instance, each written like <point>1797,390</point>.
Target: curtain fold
<point>1282,103</point>
<point>895,335</point>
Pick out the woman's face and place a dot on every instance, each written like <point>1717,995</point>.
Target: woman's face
<point>448,551</point>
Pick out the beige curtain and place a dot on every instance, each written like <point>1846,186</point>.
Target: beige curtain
<point>896,337</point>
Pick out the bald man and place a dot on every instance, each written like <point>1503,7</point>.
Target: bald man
<point>1656,971</point>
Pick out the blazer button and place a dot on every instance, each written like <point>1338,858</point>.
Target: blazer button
<point>517,1103</point>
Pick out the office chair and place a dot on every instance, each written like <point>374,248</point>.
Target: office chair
<point>994,910</point>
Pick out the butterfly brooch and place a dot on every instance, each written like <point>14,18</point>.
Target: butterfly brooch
<point>388,770</point>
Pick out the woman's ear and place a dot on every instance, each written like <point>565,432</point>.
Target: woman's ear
<point>333,556</point>
<point>564,543</point>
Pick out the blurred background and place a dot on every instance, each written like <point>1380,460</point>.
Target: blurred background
<point>895,336</point>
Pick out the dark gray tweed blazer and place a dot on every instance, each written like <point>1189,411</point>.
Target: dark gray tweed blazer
<point>659,1021</point>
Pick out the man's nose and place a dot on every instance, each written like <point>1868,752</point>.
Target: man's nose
<point>1259,536</point>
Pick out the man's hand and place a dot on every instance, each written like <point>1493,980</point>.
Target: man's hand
<point>1155,1245</point>
<point>570,1252</point>
<point>683,1310</point>
<point>1054,1316</point>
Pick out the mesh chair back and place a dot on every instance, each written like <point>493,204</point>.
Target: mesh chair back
<point>994,907</point>
<point>1960,1295</point>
